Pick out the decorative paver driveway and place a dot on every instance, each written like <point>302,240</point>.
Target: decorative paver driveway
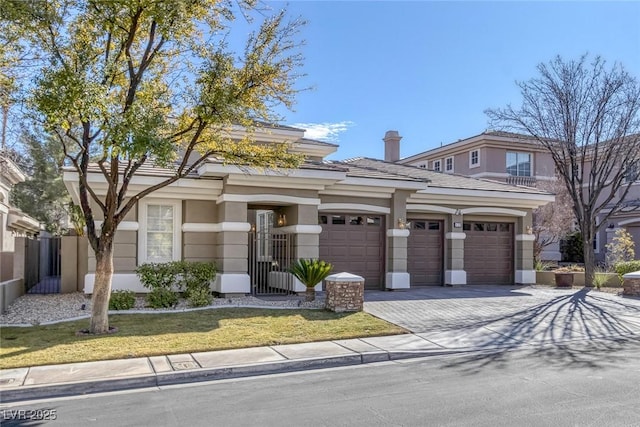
<point>504,315</point>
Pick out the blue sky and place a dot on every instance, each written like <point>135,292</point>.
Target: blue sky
<point>430,69</point>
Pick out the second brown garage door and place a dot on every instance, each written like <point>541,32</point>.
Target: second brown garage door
<point>354,244</point>
<point>425,252</point>
<point>488,253</point>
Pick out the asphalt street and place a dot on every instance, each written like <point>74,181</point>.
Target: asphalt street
<point>585,384</point>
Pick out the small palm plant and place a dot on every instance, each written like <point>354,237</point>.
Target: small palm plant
<point>310,272</point>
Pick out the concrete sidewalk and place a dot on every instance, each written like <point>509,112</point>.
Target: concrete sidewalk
<point>442,322</point>
<point>111,375</point>
<point>92,377</point>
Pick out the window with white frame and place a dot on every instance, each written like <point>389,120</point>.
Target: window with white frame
<point>448,164</point>
<point>519,164</point>
<point>437,165</point>
<point>159,238</point>
<point>264,225</point>
<point>474,158</point>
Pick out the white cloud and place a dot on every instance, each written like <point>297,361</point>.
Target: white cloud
<point>327,132</point>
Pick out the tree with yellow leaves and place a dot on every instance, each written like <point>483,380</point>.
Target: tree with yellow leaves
<point>127,83</point>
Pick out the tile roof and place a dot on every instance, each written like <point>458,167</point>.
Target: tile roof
<point>438,179</point>
<point>363,167</point>
<point>316,142</point>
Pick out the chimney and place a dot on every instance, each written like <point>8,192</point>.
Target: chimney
<point>391,146</point>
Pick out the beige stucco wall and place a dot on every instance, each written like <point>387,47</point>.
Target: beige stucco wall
<point>74,262</point>
<point>199,211</point>
<point>543,164</point>
<point>125,253</point>
<point>356,200</point>
<point>235,189</point>
<point>6,266</point>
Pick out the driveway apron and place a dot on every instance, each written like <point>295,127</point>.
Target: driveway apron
<point>484,316</point>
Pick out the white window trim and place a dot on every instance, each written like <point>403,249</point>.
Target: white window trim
<point>142,231</point>
<point>532,173</point>
<point>446,169</point>
<point>264,252</point>
<point>471,165</point>
<point>439,162</point>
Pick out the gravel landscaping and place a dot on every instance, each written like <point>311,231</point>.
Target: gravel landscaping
<point>43,309</point>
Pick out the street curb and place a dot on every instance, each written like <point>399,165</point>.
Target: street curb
<point>77,388</point>
<point>36,392</point>
<point>155,380</point>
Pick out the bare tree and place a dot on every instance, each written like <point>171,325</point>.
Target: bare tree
<point>587,115</point>
<point>554,220</point>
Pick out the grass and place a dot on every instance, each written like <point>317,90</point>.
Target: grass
<point>142,335</point>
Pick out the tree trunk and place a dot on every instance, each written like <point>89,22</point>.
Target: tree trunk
<point>102,290</point>
<point>589,257</point>
<point>310,293</point>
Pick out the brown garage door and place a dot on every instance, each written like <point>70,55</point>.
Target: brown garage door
<point>425,252</point>
<point>355,244</point>
<point>488,253</point>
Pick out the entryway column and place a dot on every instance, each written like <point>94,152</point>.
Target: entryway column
<point>232,250</point>
<point>454,273</point>
<point>302,222</point>
<point>525,273</point>
<point>397,276</point>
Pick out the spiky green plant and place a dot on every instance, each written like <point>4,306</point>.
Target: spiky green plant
<point>310,272</point>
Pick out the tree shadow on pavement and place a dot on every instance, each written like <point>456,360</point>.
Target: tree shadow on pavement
<point>578,330</point>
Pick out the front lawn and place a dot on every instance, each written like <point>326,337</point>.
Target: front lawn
<point>207,330</point>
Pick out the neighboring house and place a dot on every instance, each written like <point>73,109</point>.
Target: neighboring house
<point>14,225</point>
<point>517,159</point>
<point>396,225</point>
<point>13,222</point>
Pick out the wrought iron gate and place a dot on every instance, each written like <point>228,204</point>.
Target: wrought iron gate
<point>270,256</point>
<point>42,265</point>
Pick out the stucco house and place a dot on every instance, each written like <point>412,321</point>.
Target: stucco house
<point>518,159</point>
<point>397,225</point>
<point>13,222</point>
<point>15,226</point>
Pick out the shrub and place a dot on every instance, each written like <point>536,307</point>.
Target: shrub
<point>122,300</point>
<point>199,297</point>
<point>571,248</point>
<point>166,279</point>
<point>157,275</point>
<point>162,298</point>
<point>573,268</point>
<point>310,272</point>
<point>543,266</point>
<point>600,278</point>
<point>621,248</point>
<point>623,268</point>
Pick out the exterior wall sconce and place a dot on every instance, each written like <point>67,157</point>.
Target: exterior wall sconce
<point>253,228</point>
<point>402,223</point>
<point>282,220</point>
<point>529,229</point>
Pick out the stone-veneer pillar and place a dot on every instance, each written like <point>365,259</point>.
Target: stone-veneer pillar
<point>345,292</point>
<point>232,250</point>
<point>454,273</point>
<point>397,276</point>
<point>525,272</point>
